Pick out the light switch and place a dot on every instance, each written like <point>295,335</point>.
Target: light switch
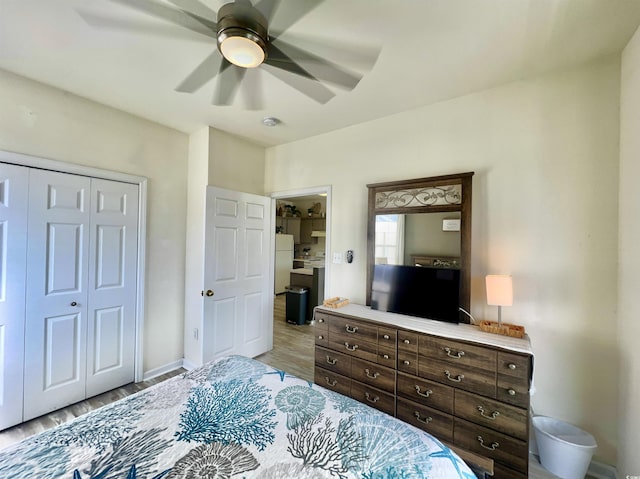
<point>337,258</point>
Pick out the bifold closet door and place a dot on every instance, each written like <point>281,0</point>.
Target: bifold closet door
<point>13,261</point>
<point>56,312</point>
<point>82,291</point>
<point>112,285</point>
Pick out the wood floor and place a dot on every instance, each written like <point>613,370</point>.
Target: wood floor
<point>293,352</point>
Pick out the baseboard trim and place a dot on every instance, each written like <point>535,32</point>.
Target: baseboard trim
<point>159,371</point>
<point>599,470</point>
<point>188,365</point>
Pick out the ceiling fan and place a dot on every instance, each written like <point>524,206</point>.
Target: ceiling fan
<point>244,42</point>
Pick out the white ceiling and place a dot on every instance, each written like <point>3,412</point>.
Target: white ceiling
<point>429,50</point>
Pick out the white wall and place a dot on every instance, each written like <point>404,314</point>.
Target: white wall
<point>46,122</point>
<point>629,261</point>
<point>545,155</point>
<point>235,163</point>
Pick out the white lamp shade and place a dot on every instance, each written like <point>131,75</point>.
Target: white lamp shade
<point>242,51</point>
<point>499,290</point>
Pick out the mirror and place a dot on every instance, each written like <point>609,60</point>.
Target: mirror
<point>424,222</point>
<point>405,238</point>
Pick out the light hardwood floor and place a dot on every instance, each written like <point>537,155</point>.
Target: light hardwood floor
<point>293,352</point>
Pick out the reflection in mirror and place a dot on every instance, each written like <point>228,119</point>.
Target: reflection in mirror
<point>402,238</point>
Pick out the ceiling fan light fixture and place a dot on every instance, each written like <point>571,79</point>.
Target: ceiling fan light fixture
<point>242,35</point>
<point>242,51</point>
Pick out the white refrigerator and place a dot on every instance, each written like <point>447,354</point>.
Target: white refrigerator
<point>284,262</point>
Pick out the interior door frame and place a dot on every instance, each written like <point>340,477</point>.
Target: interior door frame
<point>314,190</point>
<point>141,181</point>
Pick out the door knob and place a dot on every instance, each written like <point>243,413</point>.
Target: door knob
<point>209,292</point>
<point>73,303</point>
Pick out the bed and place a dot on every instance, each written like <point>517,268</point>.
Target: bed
<point>238,418</point>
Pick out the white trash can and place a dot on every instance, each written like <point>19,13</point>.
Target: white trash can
<point>564,449</point>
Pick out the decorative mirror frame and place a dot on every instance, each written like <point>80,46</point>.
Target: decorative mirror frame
<point>448,193</point>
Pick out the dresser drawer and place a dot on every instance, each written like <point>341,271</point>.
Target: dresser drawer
<point>333,381</point>
<point>354,347</point>
<point>427,393</point>
<point>352,330</point>
<point>373,374</point>
<point>407,342</point>
<point>373,397</point>
<point>321,321</point>
<point>387,337</point>
<point>502,472</point>
<point>431,420</point>
<point>513,391</point>
<point>333,361</point>
<point>492,414</point>
<point>408,362</point>
<point>460,354</point>
<point>387,357</point>
<point>501,448</point>
<point>516,366</point>
<point>471,379</point>
<point>321,338</point>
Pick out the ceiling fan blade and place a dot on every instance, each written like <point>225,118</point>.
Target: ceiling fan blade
<point>169,14</point>
<point>294,12</point>
<point>204,72</point>
<point>280,59</point>
<point>229,79</point>
<point>136,27</point>
<point>312,89</point>
<point>197,8</point>
<point>319,67</point>
<point>252,89</point>
<point>268,8</point>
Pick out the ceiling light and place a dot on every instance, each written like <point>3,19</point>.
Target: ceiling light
<point>270,121</point>
<point>242,35</point>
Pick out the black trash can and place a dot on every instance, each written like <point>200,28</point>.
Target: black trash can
<point>296,311</point>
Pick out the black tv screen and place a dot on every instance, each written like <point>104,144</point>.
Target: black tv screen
<point>432,293</point>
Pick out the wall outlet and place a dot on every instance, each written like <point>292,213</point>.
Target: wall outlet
<point>337,258</point>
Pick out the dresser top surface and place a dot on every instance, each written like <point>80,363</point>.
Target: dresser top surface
<point>463,332</point>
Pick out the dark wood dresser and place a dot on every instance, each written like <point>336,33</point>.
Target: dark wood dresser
<point>466,387</point>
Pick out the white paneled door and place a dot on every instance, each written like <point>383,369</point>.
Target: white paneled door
<point>13,260</point>
<point>238,290</point>
<point>81,295</point>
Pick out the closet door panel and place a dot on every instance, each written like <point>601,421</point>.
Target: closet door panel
<point>112,285</point>
<point>56,311</point>
<point>13,260</point>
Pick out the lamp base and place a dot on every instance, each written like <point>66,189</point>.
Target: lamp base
<point>504,329</point>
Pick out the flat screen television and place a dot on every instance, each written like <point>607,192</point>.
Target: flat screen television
<point>432,293</point>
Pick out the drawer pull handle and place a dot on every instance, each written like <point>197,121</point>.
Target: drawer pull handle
<point>330,382</point>
<point>425,420</point>
<point>406,341</point>
<point>493,447</point>
<point>451,354</point>
<point>386,336</point>
<point>351,348</point>
<point>512,392</point>
<point>425,394</point>
<point>331,361</point>
<point>406,362</point>
<point>492,416</point>
<point>321,337</point>
<point>385,356</point>
<point>457,379</point>
<point>372,376</point>
<point>349,329</point>
<point>373,399</point>
<point>512,366</point>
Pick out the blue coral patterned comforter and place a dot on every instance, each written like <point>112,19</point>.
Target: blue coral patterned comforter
<point>234,418</point>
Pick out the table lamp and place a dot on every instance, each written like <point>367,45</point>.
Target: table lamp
<point>499,292</point>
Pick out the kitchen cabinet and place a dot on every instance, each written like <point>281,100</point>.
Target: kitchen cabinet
<point>307,225</point>
<point>290,226</point>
